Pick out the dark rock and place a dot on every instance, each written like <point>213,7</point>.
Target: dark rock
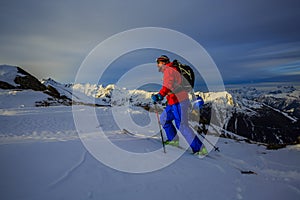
<point>4,85</point>
<point>267,126</point>
<point>28,81</point>
<point>52,92</point>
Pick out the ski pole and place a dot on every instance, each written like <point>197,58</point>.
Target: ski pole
<point>209,142</point>
<point>216,148</point>
<point>161,134</point>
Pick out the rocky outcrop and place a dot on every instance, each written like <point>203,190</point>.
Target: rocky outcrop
<point>6,86</point>
<point>266,126</point>
<point>27,81</point>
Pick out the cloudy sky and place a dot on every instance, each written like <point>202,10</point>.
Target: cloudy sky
<point>250,41</point>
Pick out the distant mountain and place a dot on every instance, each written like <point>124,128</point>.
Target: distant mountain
<point>13,77</point>
<point>267,115</point>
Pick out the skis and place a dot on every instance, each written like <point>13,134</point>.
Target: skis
<point>235,163</point>
<point>157,139</point>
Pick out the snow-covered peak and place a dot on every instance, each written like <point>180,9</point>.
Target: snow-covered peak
<point>50,81</point>
<point>110,94</point>
<point>224,97</point>
<point>284,92</point>
<point>250,92</point>
<point>88,89</point>
<point>9,73</point>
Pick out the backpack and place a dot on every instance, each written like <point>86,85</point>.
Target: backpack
<point>188,77</point>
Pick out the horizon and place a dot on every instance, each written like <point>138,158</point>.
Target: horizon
<point>198,87</point>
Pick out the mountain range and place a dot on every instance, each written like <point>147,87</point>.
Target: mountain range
<point>268,115</point>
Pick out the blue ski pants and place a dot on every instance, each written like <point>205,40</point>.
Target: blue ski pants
<point>179,113</point>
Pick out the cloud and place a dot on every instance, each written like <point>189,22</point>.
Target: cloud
<point>51,38</point>
<point>278,50</point>
<point>260,60</point>
<point>279,59</point>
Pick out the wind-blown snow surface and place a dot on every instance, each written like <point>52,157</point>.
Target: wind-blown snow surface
<point>42,157</point>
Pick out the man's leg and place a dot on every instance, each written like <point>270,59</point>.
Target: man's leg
<point>166,119</point>
<point>180,112</point>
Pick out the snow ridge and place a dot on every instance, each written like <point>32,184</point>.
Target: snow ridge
<point>8,74</point>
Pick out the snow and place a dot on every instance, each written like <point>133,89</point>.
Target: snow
<point>217,97</point>
<point>20,98</point>
<point>287,92</point>
<point>82,152</point>
<point>98,94</point>
<point>8,74</point>
<point>43,157</point>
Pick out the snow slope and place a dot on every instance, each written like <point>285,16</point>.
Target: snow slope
<point>20,98</point>
<point>42,157</point>
<point>8,74</point>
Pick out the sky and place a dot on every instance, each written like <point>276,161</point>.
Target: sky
<point>249,41</point>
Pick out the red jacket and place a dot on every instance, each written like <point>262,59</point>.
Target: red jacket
<point>171,80</point>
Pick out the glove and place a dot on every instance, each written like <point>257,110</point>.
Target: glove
<point>157,97</point>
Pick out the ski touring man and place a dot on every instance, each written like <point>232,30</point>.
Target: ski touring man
<point>177,107</point>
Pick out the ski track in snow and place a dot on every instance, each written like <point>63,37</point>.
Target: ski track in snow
<point>70,171</point>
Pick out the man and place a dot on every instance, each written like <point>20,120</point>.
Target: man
<point>177,107</point>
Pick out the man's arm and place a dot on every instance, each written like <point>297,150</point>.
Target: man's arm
<point>168,81</point>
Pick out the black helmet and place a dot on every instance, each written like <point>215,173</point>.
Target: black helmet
<point>163,58</point>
